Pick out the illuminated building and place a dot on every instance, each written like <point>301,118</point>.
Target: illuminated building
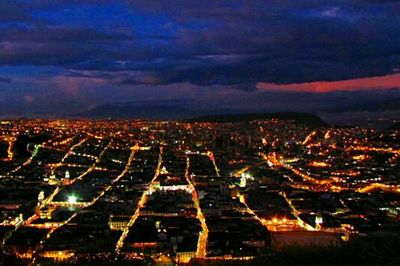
<point>318,221</point>
<point>118,222</point>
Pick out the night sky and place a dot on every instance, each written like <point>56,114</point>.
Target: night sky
<point>66,56</point>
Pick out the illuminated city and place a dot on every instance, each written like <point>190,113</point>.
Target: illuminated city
<point>199,132</point>
<point>178,191</point>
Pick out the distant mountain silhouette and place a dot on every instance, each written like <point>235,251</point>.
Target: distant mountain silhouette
<point>301,118</point>
<point>167,111</point>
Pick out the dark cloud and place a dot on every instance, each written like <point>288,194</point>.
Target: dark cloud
<point>5,80</point>
<point>12,11</point>
<point>286,41</point>
<point>116,77</point>
<point>62,35</point>
<point>224,45</point>
<point>61,46</point>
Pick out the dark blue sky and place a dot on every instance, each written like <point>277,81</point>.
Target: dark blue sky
<point>65,56</point>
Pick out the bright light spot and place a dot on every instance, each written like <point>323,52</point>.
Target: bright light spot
<point>72,199</point>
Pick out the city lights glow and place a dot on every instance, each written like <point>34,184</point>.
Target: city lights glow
<point>72,199</point>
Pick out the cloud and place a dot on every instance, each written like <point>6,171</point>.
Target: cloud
<point>221,48</point>
<point>371,83</point>
<point>5,80</point>
<point>11,11</point>
<point>116,77</point>
<point>212,42</point>
<point>29,98</point>
<point>59,46</point>
<point>74,85</point>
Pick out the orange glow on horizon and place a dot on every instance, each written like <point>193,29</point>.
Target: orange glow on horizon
<point>370,83</point>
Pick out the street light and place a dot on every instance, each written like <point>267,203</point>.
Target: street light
<point>72,199</point>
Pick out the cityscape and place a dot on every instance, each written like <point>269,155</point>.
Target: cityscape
<point>199,132</point>
<point>175,192</point>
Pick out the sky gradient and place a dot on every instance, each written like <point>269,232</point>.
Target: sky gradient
<point>63,57</point>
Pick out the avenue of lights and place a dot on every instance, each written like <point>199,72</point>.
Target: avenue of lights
<point>176,192</point>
